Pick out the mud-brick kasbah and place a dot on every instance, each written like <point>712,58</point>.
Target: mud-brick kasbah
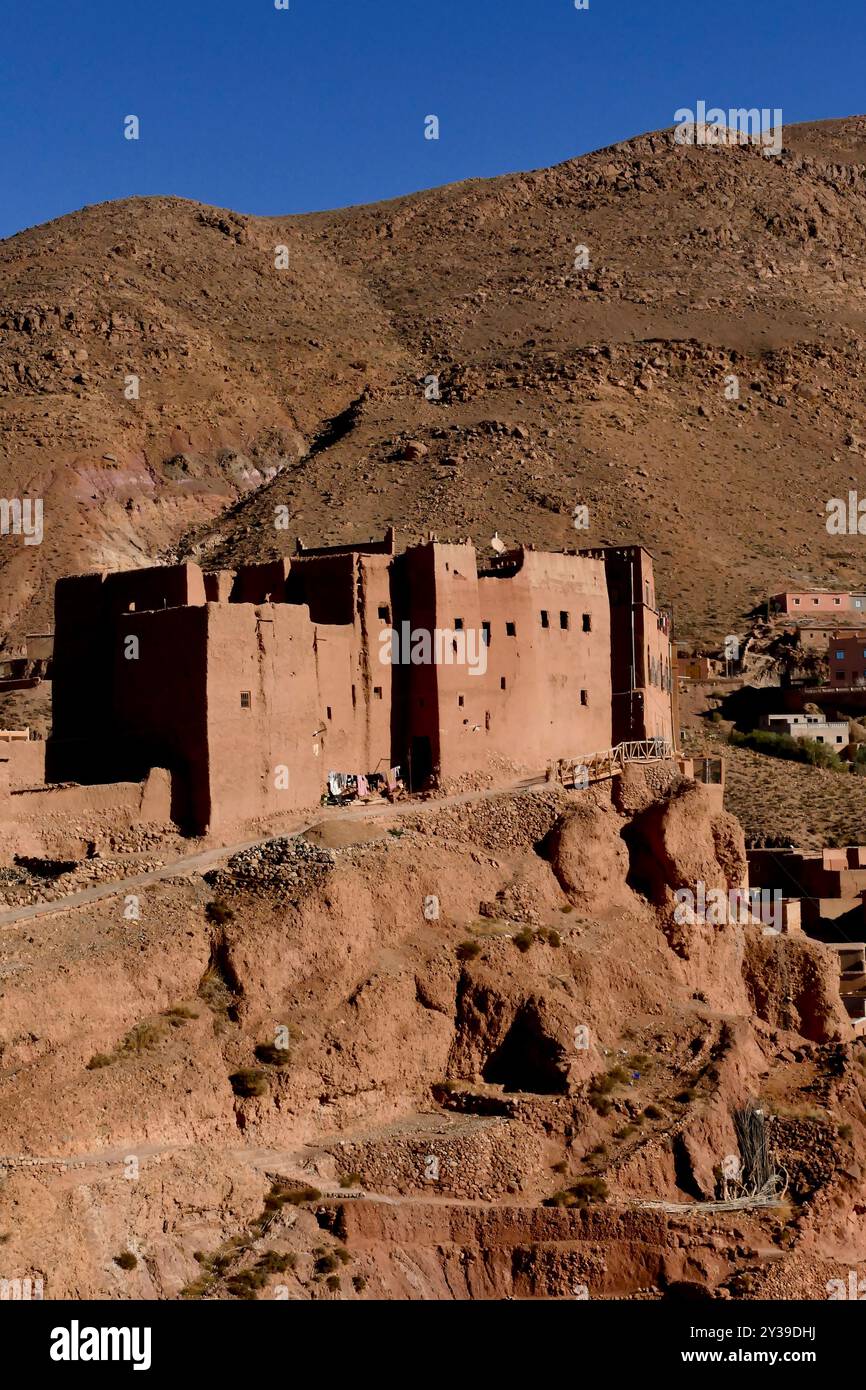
<point>200,686</point>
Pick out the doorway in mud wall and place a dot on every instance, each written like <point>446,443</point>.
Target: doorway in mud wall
<point>420,762</point>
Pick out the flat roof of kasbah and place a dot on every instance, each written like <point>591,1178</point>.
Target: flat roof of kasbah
<point>388,546</point>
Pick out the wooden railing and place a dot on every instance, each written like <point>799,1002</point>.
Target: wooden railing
<point>595,767</point>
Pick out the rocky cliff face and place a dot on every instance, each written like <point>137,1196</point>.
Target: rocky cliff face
<point>290,1073</point>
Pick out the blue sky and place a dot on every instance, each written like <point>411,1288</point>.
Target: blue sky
<point>321,105</point>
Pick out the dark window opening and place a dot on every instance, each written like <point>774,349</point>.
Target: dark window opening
<point>487,720</point>
<point>246,700</point>
<point>584,697</point>
<point>377,692</point>
<point>461,701</point>
<point>485,634</point>
<point>587,622</point>
<point>328,712</point>
<point>354,697</point>
<point>384,612</point>
<point>458,624</point>
<point>545,620</point>
<point>510,629</point>
<point>501,682</point>
<point>563,621</point>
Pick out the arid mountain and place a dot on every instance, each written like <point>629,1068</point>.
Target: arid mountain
<point>558,386</point>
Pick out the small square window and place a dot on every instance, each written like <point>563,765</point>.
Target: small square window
<point>545,620</point>
<point>246,699</point>
<point>458,624</point>
<point>563,621</point>
<point>587,622</point>
<point>511,629</point>
<point>837,601</point>
<point>840,656</point>
<point>377,692</point>
<point>384,613</point>
<point>796,603</point>
<point>584,697</point>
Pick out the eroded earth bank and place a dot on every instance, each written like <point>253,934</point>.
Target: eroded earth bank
<point>459,1051</point>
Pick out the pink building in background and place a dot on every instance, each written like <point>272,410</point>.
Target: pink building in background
<point>818,601</point>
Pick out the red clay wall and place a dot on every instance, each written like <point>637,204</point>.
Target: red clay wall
<point>527,706</point>
<point>289,673</point>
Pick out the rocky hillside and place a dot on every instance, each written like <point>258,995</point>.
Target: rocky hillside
<point>507,1088</point>
<point>556,386</point>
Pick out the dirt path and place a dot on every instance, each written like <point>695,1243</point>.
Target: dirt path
<point>72,1170</point>
<point>205,859</point>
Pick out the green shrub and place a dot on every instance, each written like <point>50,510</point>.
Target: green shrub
<point>272,1055</point>
<point>273,1263</point>
<point>249,1082</point>
<point>296,1196</point>
<point>359,1282</point>
<point>326,1264</point>
<point>524,939</point>
<point>333,1282</point>
<point>582,1194</point>
<point>126,1260</point>
<point>142,1038</point>
<point>468,950</point>
<point>653,1112</point>
<point>549,935</point>
<point>179,1014</point>
<point>246,1283</point>
<point>798,750</point>
<point>99,1059</point>
<point>218,912</point>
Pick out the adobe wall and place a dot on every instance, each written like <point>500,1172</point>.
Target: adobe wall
<point>641,656</point>
<point>312,705</point>
<point>541,714</point>
<point>23,764</point>
<point>526,706</point>
<point>279,666</point>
